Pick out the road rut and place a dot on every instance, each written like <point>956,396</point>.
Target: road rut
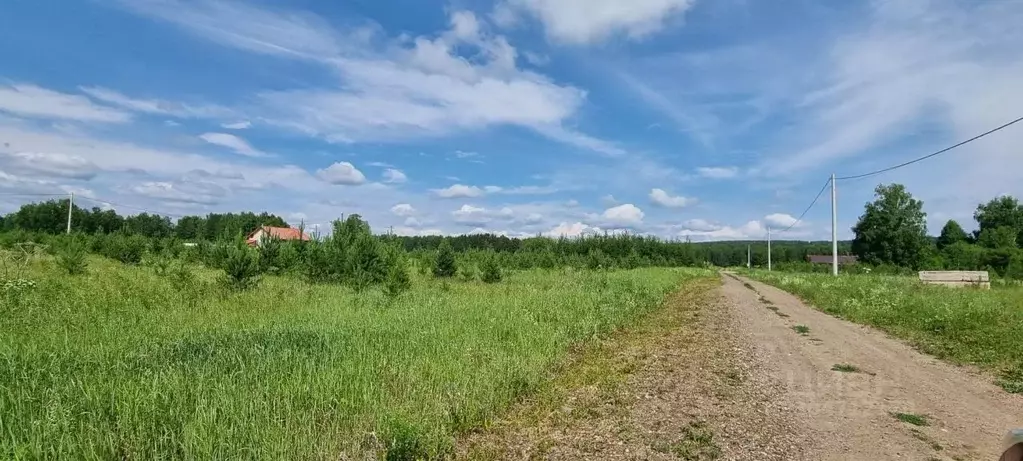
<point>852,415</point>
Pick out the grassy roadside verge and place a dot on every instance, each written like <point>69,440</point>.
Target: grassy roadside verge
<point>969,326</point>
<point>589,384</point>
<point>122,364</point>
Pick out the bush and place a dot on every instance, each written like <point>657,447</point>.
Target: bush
<point>490,270</point>
<point>241,267</point>
<point>444,265</point>
<point>269,255</point>
<point>398,280</point>
<point>366,261</point>
<point>72,257</point>
<point>467,272</point>
<point>596,259</point>
<point>128,249</point>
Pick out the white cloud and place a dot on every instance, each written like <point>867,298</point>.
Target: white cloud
<point>623,215</point>
<point>242,125</point>
<point>49,165</point>
<point>343,173</point>
<point>780,220</point>
<point>392,89</point>
<point>587,21</point>
<point>156,106</point>
<point>491,189</point>
<point>459,191</point>
<point>662,198</point>
<point>230,141</point>
<point>576,229</point>
<point>411,221</point>
<point>469,215</point>
<point>718,172</point>
<point>700,225</point>
<point>380,164</point>
<point>32,101</point>
<point>705,231</point>
<point>175,192</point>
<point>464,154</point>
<point>403,210</point>
<point>608,200</point>
<point>394,176</point>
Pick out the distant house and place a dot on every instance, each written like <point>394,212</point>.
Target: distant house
<point>257,236</point>
<point>843,260</point>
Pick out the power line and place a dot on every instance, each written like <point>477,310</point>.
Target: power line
<point>872,173</point>
<point>814,202</point>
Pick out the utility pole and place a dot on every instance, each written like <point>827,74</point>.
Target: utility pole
<point>834,228</point>
<point>768,248</point>
<point>749,264</point>
<point>70,207</point>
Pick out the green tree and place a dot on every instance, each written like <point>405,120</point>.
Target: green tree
<point>998,237</point>
<point>1004,211</point>
<point>444,265</point>
<point>490,270</point>
<point>950,234</point>
<point>892,229</point>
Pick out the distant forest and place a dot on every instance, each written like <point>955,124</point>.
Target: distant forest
<point>35,220</point>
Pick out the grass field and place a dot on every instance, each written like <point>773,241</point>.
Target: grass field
<point>981,327</point>
<point>121,363</point>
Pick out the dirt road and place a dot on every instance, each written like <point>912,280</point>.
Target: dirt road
<point>734,379</point>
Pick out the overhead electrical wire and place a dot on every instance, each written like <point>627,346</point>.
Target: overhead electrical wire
<point>814,202</point>
<point>895,167</point>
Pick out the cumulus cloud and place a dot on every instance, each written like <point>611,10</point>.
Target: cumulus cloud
<point>406,87</point>
<point>623,215</point>
<point>459,191</point>
<point>394,176</point>
<point>342,173</point>
<point>179,192</point>
<point>706,231</point>
<point>588,21</point>
<point>780,220</point>
<point>403,209</point>
<point>576,229</point>
<point>230,141</point>
<point>662,198</point>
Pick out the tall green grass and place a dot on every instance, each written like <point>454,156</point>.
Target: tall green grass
<point>121,363</point>
<point>965,325</point>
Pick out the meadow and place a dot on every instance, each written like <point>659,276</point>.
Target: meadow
<point>123,363</point>
<point>962,325</point>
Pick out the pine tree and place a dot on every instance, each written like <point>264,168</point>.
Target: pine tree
<point>398,280</point>
<point>445,265</point>
<point>490,269</point>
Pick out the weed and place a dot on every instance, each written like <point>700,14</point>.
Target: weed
<point>697,443</point>
<point>911,418</point>
<point>801,329</point>
<point>1012,379</point>
<point>845,368</point>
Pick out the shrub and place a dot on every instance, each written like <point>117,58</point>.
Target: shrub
<point>71,257</point>
<point>444,265</point>
<point>366,261</point>
<point>596,259</point>
<point>467,272</point>
<point>269,254</point>
<point>241,267</point>
<point>127,249</point>
<point>398,280</point>
<point>490,270</point>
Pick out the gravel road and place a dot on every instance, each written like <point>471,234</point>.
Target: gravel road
<point>736,380</point>
<point>850,415</point>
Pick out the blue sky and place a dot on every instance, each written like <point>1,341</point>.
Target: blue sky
<point>675,118</point>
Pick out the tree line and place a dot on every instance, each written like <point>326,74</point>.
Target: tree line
<point>51,217</point>
<point>893,231</point>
